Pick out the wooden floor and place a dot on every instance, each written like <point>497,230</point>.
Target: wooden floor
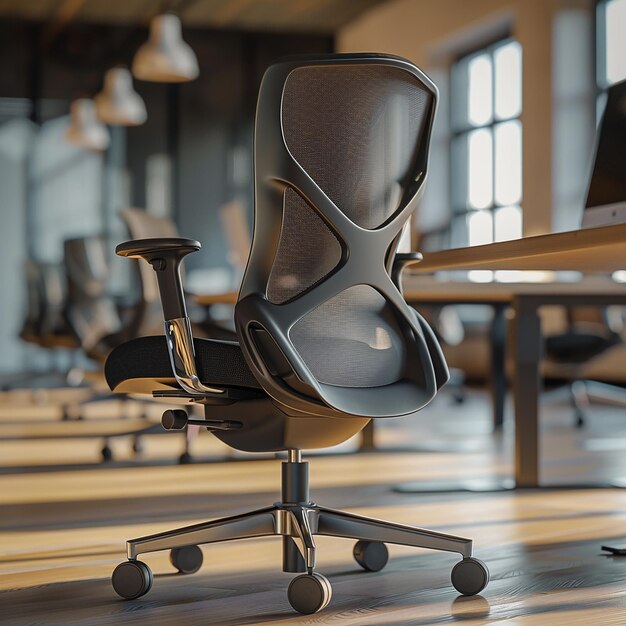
<point>64,519</point>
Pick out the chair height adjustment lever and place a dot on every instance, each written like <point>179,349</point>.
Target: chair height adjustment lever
<point>177,419</point>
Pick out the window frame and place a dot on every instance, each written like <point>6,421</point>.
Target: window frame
<point>600,49</point>
<point>599,46</point>
<point>459,167</point>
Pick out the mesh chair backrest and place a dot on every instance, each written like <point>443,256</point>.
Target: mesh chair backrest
<point>142,225</point>
<point>53,284</point>
<point>90,310</point>
<point>355,131</point>
<point>340,155</point>
<point>34,298</point>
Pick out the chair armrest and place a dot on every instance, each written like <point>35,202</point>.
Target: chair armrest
<point>165,255</point>
<point>148,248</point>
<point>400,261</point>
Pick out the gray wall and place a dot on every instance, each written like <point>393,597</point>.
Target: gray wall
<point>191,157</point>
<point>15,136</point>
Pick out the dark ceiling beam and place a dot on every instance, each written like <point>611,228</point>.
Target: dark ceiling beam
<point>65,13</point>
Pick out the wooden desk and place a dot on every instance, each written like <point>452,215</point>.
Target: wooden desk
<point>593,250</point>
<point>209,299</point>
<point>525,342</point>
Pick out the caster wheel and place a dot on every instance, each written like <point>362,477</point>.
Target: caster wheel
<point>580,420</point>
<point>371,555</point>
<point>470,576</point>
<point>184,458</point>
<point>458,398</point>
<point>309,593</point>
<point>106,454</point>
<point>131,579</point>
<point>187,560</point>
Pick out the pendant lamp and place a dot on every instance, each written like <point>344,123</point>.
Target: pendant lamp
<point>86,130</point>
<point>118,104</point>
<point>165,57</point>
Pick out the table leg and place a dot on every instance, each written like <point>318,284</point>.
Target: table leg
<point>368,441</point>
<point>497,369</point>
<point>526,348</point>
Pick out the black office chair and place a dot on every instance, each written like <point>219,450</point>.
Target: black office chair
<point>589,335</point>
<point>326,341</point>
<point>45,323</point>
<point>95,320</point>
<point>46,326</point>
<point>35,304</point>
<point>90,309</point>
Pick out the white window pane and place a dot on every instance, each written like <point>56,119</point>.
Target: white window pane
<point>508,156</point>
<point>508,74</point>
<point>479,228</point>
<point>508,223</point>
<point>480,276</point>
<point>480,90</point>
<point>615,41</point>
<point>480,168</point>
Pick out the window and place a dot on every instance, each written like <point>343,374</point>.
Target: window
<point>486,150</point>
<point>611,44</point>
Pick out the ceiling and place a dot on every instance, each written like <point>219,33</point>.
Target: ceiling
<point>312,16</point>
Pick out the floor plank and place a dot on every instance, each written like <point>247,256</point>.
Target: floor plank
<point>64,520</point>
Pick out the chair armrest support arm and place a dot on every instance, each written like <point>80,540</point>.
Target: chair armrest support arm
<point>400,262</point>
<point>165,255</point>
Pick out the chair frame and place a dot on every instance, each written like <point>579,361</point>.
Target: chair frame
<point>372,261</point>
<point>367,259</point>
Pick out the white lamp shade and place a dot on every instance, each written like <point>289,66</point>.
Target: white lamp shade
<point>86,130</point>
<point>118,103</point>
<point>165,57</point>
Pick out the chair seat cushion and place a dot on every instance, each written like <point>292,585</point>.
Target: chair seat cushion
<point>218,362</point>
<point>578,347</point>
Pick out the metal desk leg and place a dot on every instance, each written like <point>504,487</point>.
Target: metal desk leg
<point>525,341</point>
<point>497,368</point>
<point>526,348</point>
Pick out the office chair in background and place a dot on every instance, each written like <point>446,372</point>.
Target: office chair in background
<point>99,325</point>
<point>45,323</point>
<point>46,326</point>
<point>590,333</point>
<point>91,311</point>
<point>326,340</point>
<point>143,225</point>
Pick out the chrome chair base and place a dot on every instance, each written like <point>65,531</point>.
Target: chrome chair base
<point>298,523</point>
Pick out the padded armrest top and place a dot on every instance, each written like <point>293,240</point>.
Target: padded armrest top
<point>140,247</point>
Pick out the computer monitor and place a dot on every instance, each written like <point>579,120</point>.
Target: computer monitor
<point>606,196</point>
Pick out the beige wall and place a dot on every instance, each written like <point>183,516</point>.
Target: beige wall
<point>432,33</point>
